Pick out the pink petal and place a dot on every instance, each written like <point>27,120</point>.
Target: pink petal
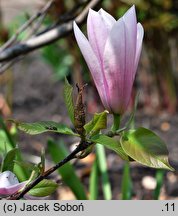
<point>130,22</point>
<point>92,62</point>
<point>131,41</point>
<point>114,63</point>
<point>107,18</point>
<point>12,189</point>
<point>97,33</point>
<point>119,60</point>
<point>8,178</point>
<point>140,33</point>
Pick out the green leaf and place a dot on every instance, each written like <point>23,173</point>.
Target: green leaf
<point>68,90</point>
<point>6,137</point>
<point>36,171</point>
<point>8,161</point>
<point>146,147</point>
<point>98,122</point>
<point>43,126</point>
<point>110,143</point>
<point>44,188</point>
<point>25,165</point>
<point>58,152</point>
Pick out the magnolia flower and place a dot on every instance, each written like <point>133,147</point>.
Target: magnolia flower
<point>9,183</point>
<point>112,52</point>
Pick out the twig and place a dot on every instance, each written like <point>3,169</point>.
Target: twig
<point>5,66</point>
<point>46,38</point>
<point>72,13</point>
<point>27,24</point>
<point>82,146</point>
<point>37,25</point>
<point>68,16</point>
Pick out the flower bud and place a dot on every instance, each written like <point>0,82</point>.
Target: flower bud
<point>112,52</point>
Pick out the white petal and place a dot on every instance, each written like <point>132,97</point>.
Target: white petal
<point>107,18</point>
<point>12,189</point>
<point>92,62</point>
<point>114,63</point>
<point>119,59</point>
<point>97,31</point>
<point>140,33</point>
<point>131,40</point>
<point>7,178</point>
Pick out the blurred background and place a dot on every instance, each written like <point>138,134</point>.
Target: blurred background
<point>32,90</point>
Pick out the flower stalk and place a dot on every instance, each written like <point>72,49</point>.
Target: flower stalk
<point>116,122</point>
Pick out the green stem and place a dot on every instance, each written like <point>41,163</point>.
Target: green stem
<point>94,184</point>
<point>126,183</point>
<point>116,122</point>
<point>102,165</point>
<point>159,180</point>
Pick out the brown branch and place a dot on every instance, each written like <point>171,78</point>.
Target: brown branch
<point>5,66</point>
<point>37,25</point>
<point>68,16</point>
<point>27,24</point>
<point>82,146</point>
<point>46,38</point>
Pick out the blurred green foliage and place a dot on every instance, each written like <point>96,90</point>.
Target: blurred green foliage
<point>8,141</point>
<point>58,57</point>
